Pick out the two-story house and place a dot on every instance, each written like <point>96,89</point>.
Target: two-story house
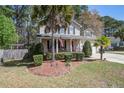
<point>70,40</point>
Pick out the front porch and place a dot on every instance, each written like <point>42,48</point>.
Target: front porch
<point>62,45</point>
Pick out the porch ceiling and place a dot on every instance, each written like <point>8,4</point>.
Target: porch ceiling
<point>66,37</point>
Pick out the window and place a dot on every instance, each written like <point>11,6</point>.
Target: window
<point>68,30</point>
<point>72,30</point>
<point>88,34</point>
<point>62,31</point>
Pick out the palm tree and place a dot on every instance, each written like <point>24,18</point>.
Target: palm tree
<point>103,42</point>
<point>53,17</point>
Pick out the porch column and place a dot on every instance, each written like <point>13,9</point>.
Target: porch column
<point>56,45</point>
<point>75,45</point>
<point>70,44</point>
<point>67,45</point>
<point>78,46</point>
<point>45,46</point>
<point>40,40</point>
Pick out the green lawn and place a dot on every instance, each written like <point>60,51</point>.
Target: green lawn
<point>93,74</point>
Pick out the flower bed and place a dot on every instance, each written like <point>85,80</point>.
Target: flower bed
<point>57,69</point>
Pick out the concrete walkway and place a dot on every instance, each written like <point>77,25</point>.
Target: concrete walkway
<point>111,57</point>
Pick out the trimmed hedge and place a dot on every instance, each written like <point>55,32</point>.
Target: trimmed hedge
<point>38,60</point>
<point>59,56</point>
<point>79,56</point>
<point>68,58</point>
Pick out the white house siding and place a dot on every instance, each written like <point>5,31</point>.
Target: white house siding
<point>78,43</point>
<point>62,32</point>
<point>94,49</point>
<point>115,41</point>
<point>77,32</point>
<point>42,30</point>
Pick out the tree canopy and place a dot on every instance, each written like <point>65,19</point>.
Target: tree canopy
<point>120,34</point>
<point>110,22</point>
<point>91,20</point>
<point>78,9</point>
<point>6,10</point>
<point>7,31</point>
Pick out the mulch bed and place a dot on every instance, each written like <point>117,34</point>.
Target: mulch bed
<point>58,68</point>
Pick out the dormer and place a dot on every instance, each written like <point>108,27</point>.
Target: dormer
<point>89,33</point>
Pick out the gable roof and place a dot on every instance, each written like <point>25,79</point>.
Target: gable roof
<point>89,29</point>
<point>76,23</point>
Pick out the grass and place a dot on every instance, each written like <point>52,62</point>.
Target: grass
<point>93,74</point>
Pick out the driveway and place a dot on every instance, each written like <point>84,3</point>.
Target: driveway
<point>111,57</point>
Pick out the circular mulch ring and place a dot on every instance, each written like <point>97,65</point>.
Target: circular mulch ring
<point>57,69</point>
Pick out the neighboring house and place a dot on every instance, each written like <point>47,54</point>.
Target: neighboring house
<point>109,32</point>
<point>70,40</point>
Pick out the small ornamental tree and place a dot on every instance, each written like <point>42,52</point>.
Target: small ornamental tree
<point>103,42</point>
<point>8,33</point>
<point>87,49</point>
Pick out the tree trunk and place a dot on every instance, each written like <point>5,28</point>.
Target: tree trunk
<point>28,37</point>
<point>2,42</point>
<point>101,52</point>
<point>53,47</point>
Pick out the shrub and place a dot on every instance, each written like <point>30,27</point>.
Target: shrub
<point>34,49</point>
<point>58,56</point>
<point>48,56</point>
<point>29,55</point>
<point>74,54</point>
<point>38,49</point>
<point>79,56</point>
<point>87,49</point>
<point>38,59</point>
<point>68,58</point>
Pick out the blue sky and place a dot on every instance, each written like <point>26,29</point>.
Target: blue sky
<point>115,11</point>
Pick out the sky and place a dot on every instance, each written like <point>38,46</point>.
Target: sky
<point>115,11</point>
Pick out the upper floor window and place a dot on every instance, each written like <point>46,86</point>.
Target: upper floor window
<point>72,29</point>
<point>47,30</point>
<point>62,31</point>
<point>88,33</point>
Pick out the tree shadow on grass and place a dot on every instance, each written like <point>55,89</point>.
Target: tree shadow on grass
<point>17,63</point>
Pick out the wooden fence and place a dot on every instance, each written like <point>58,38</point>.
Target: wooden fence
<point>13,54</point>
